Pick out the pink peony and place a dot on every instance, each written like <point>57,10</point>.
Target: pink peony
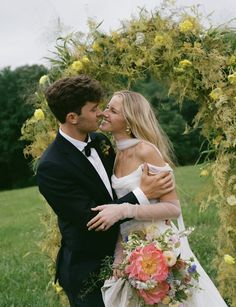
<point>147,263</point>
<point>155,295</point>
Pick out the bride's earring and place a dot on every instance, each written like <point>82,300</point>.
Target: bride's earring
<point>128,130</point>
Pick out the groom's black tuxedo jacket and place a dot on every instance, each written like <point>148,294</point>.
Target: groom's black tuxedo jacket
<point>71,186</point>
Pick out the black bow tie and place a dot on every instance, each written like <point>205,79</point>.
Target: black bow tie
<point>87,148</point>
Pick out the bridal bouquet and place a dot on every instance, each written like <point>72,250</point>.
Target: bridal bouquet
<point>154,269</point>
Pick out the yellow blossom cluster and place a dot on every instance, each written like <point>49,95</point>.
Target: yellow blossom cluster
<point>232,78</point>
<point>159,40</point>
<point>229,259</point>
<point>96,47</point>
<point>185,64</point>
<point>78,65</point>
<point>216,93</point>
<point>39,115</point>
<point>186,26</point>
<point>204,173</point>
<point>44,80</point>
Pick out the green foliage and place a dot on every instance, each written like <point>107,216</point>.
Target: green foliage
<point>16,86</point>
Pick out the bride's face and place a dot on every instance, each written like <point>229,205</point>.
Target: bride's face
<point>113,118</point>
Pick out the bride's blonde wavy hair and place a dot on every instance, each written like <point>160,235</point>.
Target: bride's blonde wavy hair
<point>143,124</point>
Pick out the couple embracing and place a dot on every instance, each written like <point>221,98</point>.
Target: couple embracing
<point>100,196</point>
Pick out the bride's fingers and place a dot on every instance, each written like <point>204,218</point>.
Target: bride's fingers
<point>95,225</point>
<point>94,220</point>
<point>102,227</point>
<point>98,208</point>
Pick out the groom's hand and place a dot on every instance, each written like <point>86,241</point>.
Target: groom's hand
<point>156,185</point>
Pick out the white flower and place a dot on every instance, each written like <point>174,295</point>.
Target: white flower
<point>170,258</point>
<point>140,37</point>
<point>231,200</point>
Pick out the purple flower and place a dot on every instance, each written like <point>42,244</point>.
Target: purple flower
<point>192,269</point>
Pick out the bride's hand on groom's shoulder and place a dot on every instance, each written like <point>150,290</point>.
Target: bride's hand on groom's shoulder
<point>156,185</point>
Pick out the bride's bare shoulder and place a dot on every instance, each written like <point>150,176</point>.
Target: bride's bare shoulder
<point>149,153</point>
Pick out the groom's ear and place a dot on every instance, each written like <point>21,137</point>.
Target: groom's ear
<point>72,118</point>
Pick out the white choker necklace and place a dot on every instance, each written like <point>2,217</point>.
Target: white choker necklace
<point>126,143</point>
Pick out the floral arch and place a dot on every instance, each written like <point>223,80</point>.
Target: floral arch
<point>192,61</point>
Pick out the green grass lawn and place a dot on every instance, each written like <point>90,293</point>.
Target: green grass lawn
<point>23,268</point>
<point>24,278</point>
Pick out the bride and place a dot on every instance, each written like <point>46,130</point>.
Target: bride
<point>142,147</point>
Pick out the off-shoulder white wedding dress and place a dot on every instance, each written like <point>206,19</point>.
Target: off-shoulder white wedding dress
<point>118,293</point>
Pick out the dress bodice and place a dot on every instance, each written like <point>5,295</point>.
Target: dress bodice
<point>126,184</point>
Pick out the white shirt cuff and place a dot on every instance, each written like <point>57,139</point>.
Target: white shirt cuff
<point>141,197</point>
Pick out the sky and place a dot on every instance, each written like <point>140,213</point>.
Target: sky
<point>28,28</point>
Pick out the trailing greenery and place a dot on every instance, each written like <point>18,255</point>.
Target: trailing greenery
<point>193,62</point>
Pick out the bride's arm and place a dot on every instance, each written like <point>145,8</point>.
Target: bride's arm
<point>167,208</point>
<point>110,214</point>
<point>118,257</point>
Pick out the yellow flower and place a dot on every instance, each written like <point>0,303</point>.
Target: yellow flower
<point>185,63</point>
<point>232,78</point>
<point>121,45</point>
<point>159,40</point>
<point>57,287</point>
<point>204,173</point>
<point>77,65</point>
<point>85,60</point>
<point>38,114</point>
<point>115,36</point>
<point>231,200</point>
<point>232,60</point>
<point>166,300</point>
<point>229,259</point>
<point>186,26</point>
<point>216,93</point>
<point>43,80</point>
<point>96,47</point>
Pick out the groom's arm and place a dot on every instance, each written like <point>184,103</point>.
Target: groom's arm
<point>66,196</point>
<point>151,187</point>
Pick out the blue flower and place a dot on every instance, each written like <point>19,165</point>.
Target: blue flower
<point>192,269</point>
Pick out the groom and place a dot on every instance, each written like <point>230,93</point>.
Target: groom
<point>74,175</point>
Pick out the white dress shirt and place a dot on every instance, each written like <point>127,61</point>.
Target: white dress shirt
<point>95,160</point>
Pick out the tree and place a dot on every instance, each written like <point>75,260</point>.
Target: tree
<point>16,86</point>
<point>176,120</point>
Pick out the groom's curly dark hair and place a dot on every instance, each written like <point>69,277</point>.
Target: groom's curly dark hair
<point>71,94</point>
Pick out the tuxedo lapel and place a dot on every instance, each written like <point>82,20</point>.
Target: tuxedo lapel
<point>107,162</point>
<point>104,160</point>
<point>80,161</point>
